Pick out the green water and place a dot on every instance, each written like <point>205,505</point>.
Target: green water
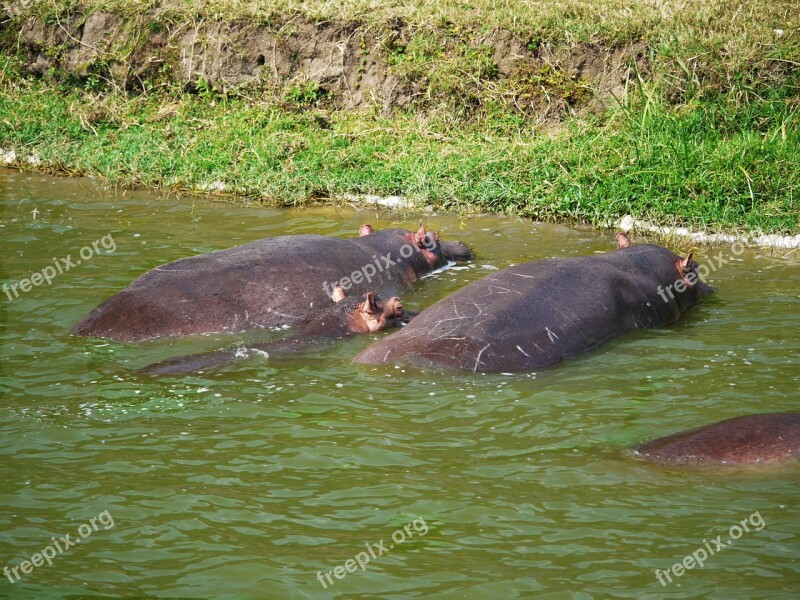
<point>247,482</point>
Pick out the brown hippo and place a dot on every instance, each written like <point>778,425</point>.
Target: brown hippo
<point>748,440</point>
<point>535,314</point>
<point>271,282</point>
<point>346,317</point>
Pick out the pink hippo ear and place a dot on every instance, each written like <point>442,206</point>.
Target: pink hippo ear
<point>684,267</point>
<point>338,294</point>
<point>425,240</point>
<point>623,241</point>
<point>366,229</point>
<point>370,304</point>
<point>686,264</point>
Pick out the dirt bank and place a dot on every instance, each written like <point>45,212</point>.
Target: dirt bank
<point>341,64</point>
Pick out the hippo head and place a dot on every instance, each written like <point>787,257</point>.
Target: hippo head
<point>435,250</point>
<point>373,314</point>
<point>687,285</point>
<point>429,245</point>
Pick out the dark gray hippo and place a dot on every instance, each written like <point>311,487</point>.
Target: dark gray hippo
<point>535,314</point>
<point>347,317</point>
<point>768,438</point>
<point>272,282</point>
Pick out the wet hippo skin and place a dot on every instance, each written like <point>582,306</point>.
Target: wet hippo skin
<point>533,315</point>
<point>271,282</point>
<point>347,317</point>
<point>747,440</point>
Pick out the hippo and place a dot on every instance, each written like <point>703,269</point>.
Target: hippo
<point>273,282</point>
<point>535,314</point>
<point>347,317</point>
<point>768,438</point>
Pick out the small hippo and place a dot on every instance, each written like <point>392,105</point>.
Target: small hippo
<point>272,282</point>
<point>768,438</point>
<point>346,317</point>
<point>533,315</point>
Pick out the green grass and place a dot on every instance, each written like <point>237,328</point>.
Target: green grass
<point>710,139</point>
<point>717,163</point>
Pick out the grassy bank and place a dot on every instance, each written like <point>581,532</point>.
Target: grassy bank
<point>711,142</point>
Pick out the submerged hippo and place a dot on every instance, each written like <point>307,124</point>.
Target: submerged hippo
<point>532,315</point>
<point>272,282</point>
<point>752,439</point>
<point>348,316</point>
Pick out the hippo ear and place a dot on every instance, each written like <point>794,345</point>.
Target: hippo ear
<point>686,264</point>
<point>425,240</point>
<point>623,241</point>
<point>366,229</point>
<point>338,294</point>
<point>370,304</point>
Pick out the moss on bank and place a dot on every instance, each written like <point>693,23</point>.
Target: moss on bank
<point>707,137</point>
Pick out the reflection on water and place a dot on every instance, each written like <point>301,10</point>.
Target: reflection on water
<point>249,481</point>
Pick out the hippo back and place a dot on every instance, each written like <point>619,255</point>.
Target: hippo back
<point>750,439</point>
<point>532,315</point>
<point>270,282</point>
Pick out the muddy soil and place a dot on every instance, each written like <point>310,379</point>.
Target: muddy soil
<point>343,64</point>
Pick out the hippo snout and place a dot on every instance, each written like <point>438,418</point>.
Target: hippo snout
<point>456,251</point>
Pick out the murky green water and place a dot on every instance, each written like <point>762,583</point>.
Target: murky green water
<point>247,482</point>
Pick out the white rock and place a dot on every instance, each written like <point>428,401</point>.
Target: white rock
<point>7,157</point>
<point>387,201</point>
<point>214,186</point>
<point>757,239</point>
<point>627,223</point>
